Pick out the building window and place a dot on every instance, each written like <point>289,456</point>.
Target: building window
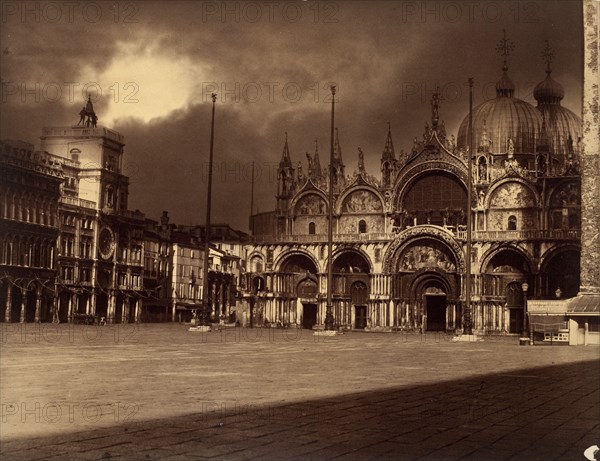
<point>110,197</point>
<point>362,226</point>
<point>311,228</point>
<point>512,223</point>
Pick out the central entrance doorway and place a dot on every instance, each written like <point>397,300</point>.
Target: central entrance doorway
<point>309,315</point>
<point>360,317</point>
<point>436,312</point>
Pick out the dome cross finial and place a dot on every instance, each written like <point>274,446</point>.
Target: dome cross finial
<point>548,54</point>
<point>504,48</point>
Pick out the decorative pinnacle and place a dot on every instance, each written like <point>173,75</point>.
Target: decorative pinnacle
<point>547,54</point>
<point>286,136</point>
<point>389,126</point>
<point>504,48</point>
<point>214,97</point>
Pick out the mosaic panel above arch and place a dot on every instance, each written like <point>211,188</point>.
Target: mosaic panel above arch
<point>426,254</point>
<point>311,204</point>
<point>362,201</point>
<point>512,195</point>
<point>568,194</point>
<point>424,236</point>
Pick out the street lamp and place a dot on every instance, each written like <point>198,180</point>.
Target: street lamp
<point>525,287</point>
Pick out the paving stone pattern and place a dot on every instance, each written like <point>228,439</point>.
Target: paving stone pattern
<point>145,392</point>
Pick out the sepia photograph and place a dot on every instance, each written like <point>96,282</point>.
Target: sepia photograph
<point>299,230</point>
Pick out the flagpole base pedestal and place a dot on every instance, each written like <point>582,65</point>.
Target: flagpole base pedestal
<point>467,338</point>
<point>325,333</point>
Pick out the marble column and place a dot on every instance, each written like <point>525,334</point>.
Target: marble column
<point>590,156</point>
<point>23,304</point>
<point>38,304</point>
<point>8,302</point>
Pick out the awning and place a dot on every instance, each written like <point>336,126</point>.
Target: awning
<point>187,306</point>
<point>548,323</point>
<point>584,304</point>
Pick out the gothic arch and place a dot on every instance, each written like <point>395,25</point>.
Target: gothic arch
<point>410,235</point>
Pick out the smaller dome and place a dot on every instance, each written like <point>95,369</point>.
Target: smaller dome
<point>548,91</point>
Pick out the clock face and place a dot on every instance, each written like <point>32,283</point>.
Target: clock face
<point>106,243</point>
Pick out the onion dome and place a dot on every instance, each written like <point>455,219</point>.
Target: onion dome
<point>562,124</point>
<point>496,120</point>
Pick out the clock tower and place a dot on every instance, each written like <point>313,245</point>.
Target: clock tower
<point>105,239</point>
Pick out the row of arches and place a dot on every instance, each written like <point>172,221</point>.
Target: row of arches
<point>16,250</point>
<point>440,198</point>
<point>28,208</point>
<point>424,288</point>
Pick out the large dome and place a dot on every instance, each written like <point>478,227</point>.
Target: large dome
<point>503,117</point>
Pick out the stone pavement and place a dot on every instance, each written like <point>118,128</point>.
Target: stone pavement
<point>145,392</point>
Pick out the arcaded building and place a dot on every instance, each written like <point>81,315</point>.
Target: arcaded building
<point>399,235</point>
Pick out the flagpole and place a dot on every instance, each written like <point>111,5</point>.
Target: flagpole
<point>329,306</point>
<point>205,319</point>
<point>467,326</point>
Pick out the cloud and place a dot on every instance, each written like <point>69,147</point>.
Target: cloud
<point>156,64</point>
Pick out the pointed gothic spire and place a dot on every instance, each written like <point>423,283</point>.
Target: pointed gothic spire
<point>285,156</point>
<point>388,150</point>
<point>317,172</point>
<point>337,150</point>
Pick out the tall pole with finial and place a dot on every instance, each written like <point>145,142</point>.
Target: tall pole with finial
<point>252,200</point>
<point>467,326</point>
<point>329,306</point>
<point>205,318</point>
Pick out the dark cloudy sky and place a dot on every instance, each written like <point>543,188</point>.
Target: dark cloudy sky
<point>150,67</point>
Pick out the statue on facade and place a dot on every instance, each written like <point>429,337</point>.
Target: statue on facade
<point>310,163</point>
<point>361,161</point>
<point>82,115</point>
<point>511,148</point>
<point>87,116</point>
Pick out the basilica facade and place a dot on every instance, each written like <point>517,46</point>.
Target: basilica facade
<point>400,236</point>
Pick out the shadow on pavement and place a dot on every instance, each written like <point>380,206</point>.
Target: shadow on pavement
<point>534,413</point>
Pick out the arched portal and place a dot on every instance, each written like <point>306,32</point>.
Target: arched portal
<point>503,278</point>
<point>351,287</point>
<point>431,289</point>
<point>426,284</point>
<point>297,283</point>
<point>560,274</point>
